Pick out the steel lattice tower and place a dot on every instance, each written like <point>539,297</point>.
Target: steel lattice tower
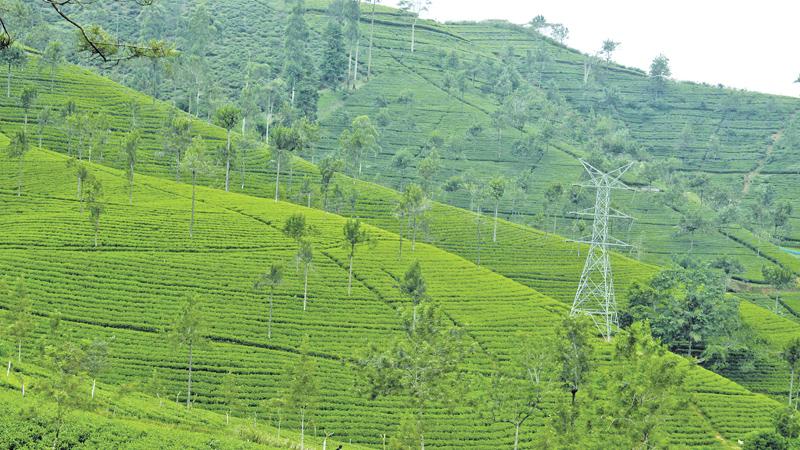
<point>595,296</point>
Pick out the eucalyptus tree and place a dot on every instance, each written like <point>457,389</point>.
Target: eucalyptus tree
<point>354,235</point>
<point>177,138</point>
<point>17,149</point>
<point>791,354</point>
<point>415,8</point>
<point>497,189</point>
<point>328,168</point>
<point>305,257</point>
<point>413,286</point>
<point>13,56</point>
<point>26,100</point>
<point>359,140</point>
<point>52,57</point>
<point>609,47</point>
<point>95,360</point>
<point>285,141</point>
<point>270,280</point>
<point>19,316</point>
<point>44,120</point>
<point>413,205</point>
<point>296,228</point>
<point>132,141</point>
<point>371,35</point>
<point>352,16</point>
<point>196,163</point>
<point>227,117</point>
<point>780,279</point>
<point>94,195</point>
<point>659,74</point>
<point>188,330</point>
<point>298,68</point>
<point>333,62</point>
<point>423,364</point>
<point>303,388</point>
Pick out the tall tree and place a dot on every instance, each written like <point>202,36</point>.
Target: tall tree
<point>188,331</point>
<point>574,351</point>
<point>413,286</point>
<point>94,196</point>
<point>497,189</point>
<point>195,162</point>
<point>227,117</point>
<point>328,168</point>
<point>44,120</point>
<point>270,280</point>
<point>609,47</point>
<point>298,69</point>
<point>354,235</point>
<point>131,149</point>
<point>26,100</point>
<point>423,364</point>
<point>352,31</point>
<point>791,354</point>
<point>17,149</point>
<point>413,206</point>
<point>780,279</point>
<point>517,391</point>
<point>303,388</point>
<point>659,74</point>
<point>552,196</point>
<point>53,57</point>
<point>95,360</point>
<point>334,61</point>
<point>359,140</point>
<point>285,141</point>
<point>371,35</point>
<point>19,316</point>
<point>415,8</point>
<point>305,257</point>
<point>177,139</point>
<point>12,56</point>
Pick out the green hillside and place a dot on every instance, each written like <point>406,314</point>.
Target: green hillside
<point>568,114</point>
<point>526,108</point>
<point>145,250</point>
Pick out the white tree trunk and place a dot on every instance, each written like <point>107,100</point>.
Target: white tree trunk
<point>302,429</point>
<point>189,386</point>
<point>8,369</point>
<point>269,323</point>
<point>94,383</point>
<point>277,178</point>
<point>228,163</point>
<point>350,277</point>
<point>494,232</point>
<point>305,287</point>
<point>516,436</point>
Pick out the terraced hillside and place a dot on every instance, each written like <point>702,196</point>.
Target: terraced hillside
<point>131,285</point>
<point>563,103</point>
<point>542,261</point>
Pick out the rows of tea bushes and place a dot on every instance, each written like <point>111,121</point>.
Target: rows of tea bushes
<point>128,294</point>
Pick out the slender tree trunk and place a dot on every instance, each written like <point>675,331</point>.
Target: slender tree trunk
<point>189,386</point>
<point>20,175</point>
<point>791,384</point>
<point>130,187</point>
<point>194,189</point>
<point>269,323</point>
<point>414,233</point>
<point>413,33</point>
<point>19,351</point>
<point>277,178</point>
<point>350,276</point>
<point>302,428</point>
<point>516,436</point>
<point>8,82</point>
<point>371,34</point>
<point>309,200</point>
<point>8,369</point>
<point>349,67</point>
<point>494,231</point>
<point>228,163</point>
<point>355,67</point>
<point>94,383</point>
<point>305,287</point>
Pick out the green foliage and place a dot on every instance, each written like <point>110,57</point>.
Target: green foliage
<point>764,440</point>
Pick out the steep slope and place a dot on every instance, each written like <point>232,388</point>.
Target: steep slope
<point>679,123</point>
<point>131,285</point>
<point>539,260</point>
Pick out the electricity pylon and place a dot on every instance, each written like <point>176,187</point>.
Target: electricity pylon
<point>595,296</point>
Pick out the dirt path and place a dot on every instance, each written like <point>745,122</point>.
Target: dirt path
<point>748,178</point>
